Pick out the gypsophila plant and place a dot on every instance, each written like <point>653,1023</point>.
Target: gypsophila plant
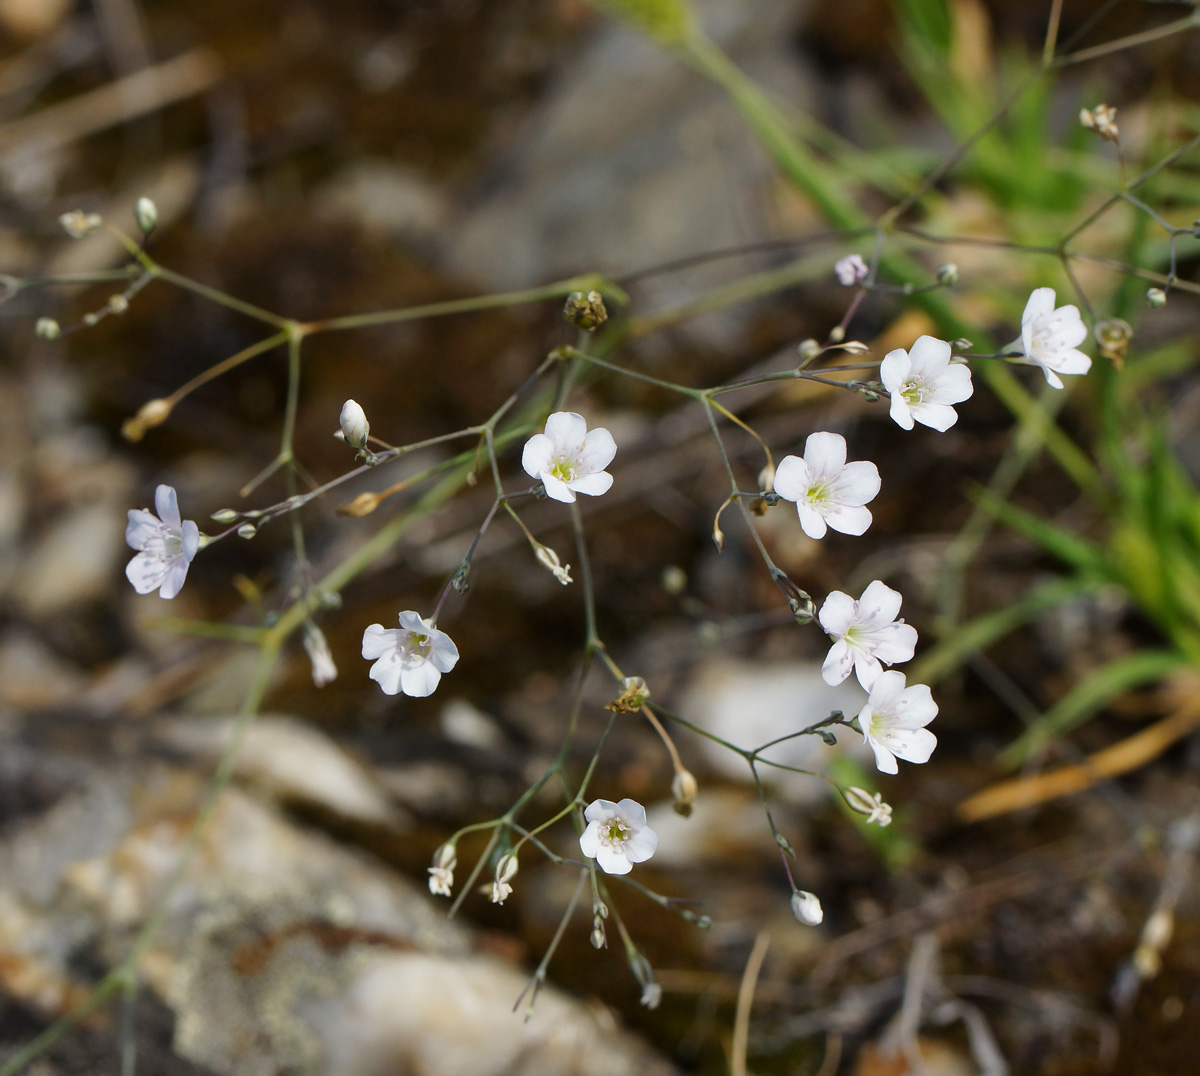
<point>534,446</point>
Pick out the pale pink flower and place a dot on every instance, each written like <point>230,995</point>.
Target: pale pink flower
<point>850,270</point>
<point>568,458</point>
<point>894,719</point>
<point>1050,337</point>
<point>166,545</point>
<point>828,491</point>
<point>410,658</point>
<point>923,383</point>
<point>867,632</point>
<point>617,836</point>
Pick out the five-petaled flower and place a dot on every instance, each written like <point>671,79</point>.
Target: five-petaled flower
<point>568,458</point>
<point>1050,338</point>
<point>894,719</point>
<point>828,491</point>
<point>617,836</point>
<point>410,658</point>
<point>923,384</point>
<point>166,545</point>
<point>850,270</point>
<point>866,633</point>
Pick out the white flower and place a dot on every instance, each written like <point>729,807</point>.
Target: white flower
<point>166,545</point>
<point>923,383</point>
<point>806,907</point>
<point>828,491</point>
<point>324,671</point>
<point>411,658</point>
<point>1050,338</point>
<point>894,719</point>
<point>617,836</point>
<point>441,874</point>
<point>867,633</point>
<point>850,269</point>
<point>568,459</point>
<point>355,427</point>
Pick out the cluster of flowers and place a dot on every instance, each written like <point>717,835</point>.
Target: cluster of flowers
<point>924,384</point>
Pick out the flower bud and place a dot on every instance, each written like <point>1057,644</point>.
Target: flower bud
<point>324,671</point>
<point>507,867</point>
<point>685,789</point>
<point>362,505</point>
<point>154,413</point>
<point>809,349</point>
<point>807,908</point>
<point>947,274</point>
<point>145,212</point>
<point>766,477</point>
<point>118,304</point>
<point>674,580</point>
<point>247,530</point>
<point>78,224</point>
<point>224,515</point>
<point>1156,298</point>
<point>355,427</point>
<point>837,334</point>
<point>585,311</point>
<point>599,937</point>
<point>47,328</point>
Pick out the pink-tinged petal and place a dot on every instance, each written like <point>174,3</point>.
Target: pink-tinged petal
<point>879,604</point>
<point>612,862</point>
<point>857,484</point>
<point>445,654</point>
<point>566,429</point>
<point>420,680</point>
<point>141,528</point>
<point>537,455</point>
<point>912,745</point>
<point>898,642</point>
<point>887,691</point>
<point>173,581</point>
<point>838,663</point>
<point>825,453</point>
<point>377,641</point>
<point>837,613</point>
<point>894,370</point>
<point>411,620</point>
<point>589,840</point>
<point>556,488</point>
<point>190,534</point>
<point>600,811</point>
<point>955,385</point>
<point>632,811</point>
<point>811,521</point>
<point>145,572</point>
<point>792,478</point>
<point>915,708</point>
<point>885,761</point>
<point>641,846</point>
<point>599,448</point>
<point>591,484</point>
<point>930,356</point>
<point>167,505</point>
<point>848,519</point>
<point>386,672</point>
<point>900,412</point>
<point>1040,304</point>
<point>866,668</point>
<point>936,416</point>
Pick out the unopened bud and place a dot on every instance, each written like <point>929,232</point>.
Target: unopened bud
<point>786,845</point>
<point>674,580</point>
<point>224,515</point>
<point>718,537</point>
<point>247,530</point>
<point>807,908</point>
<point>809,349</point>
<point>118,304</point>
<point>855,347</point>
<point>145,212</point>
<point>47,328</point>
<point>961,344</point>
<point>507,867</point>
<point>585,310</point>
<point>837,334</point>
<point>324,671</point>
<point>1156,298</point>
<point>154,412</point>
<point>685,789</point>
<point>766,477</point>
<point>362,505</point>
<point>599,936</point>
<point>355,427</point>
<point>78,224</point>
<point>947,274</point>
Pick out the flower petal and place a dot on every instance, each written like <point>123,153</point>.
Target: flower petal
<point>894,370</point>
<point>591,484</point>
<point>145,572</point>
<point>912,745</point>
<point>792,478</point>
<point>611,861</point>
<point>598,451</point>
<point>537,455</point>
<point>556,489</point>
<point>419,680</point>
<point>167,505</point>
<point>937,416</point>
<point>589,840</point>
<point>837,613</point>
<point>386,672</point>
<point>849,519</point>
<point>567,429</point>
<point>825,453</point>
<point>812,522</point>
<point>378,640</point>
<point>838,663</point>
